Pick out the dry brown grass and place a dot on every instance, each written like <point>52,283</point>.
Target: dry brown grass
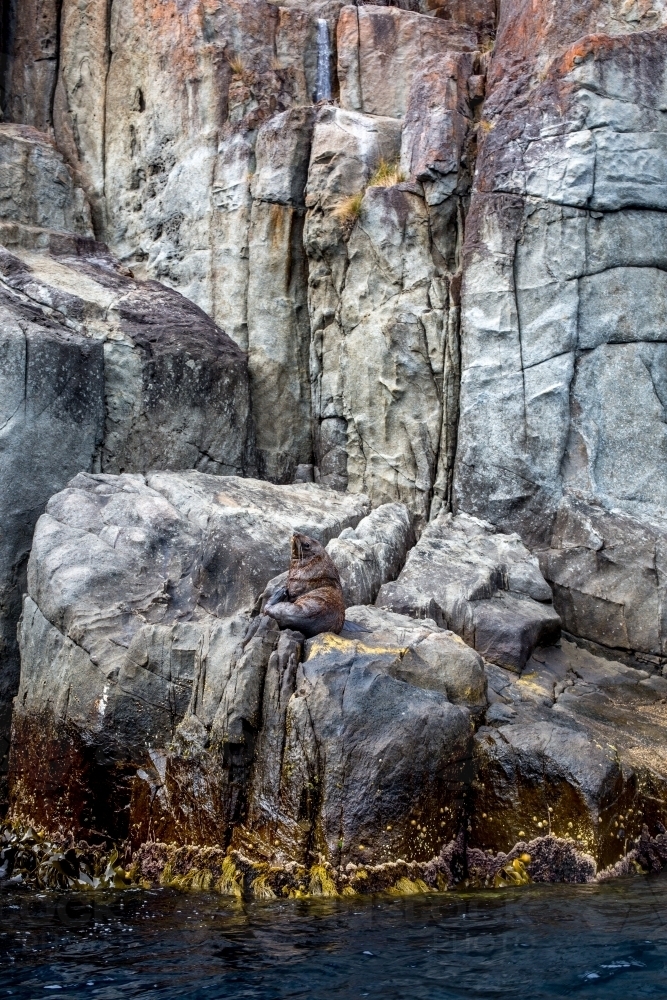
<point>486,126</point>
<point>386,175</point>
<point>349,209</point>
<point>236,66</point>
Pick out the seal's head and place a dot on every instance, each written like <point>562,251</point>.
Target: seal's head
<point>305,548</point>
<point>311,562</point>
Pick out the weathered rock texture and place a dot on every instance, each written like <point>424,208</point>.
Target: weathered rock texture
<point>373,553</point>
<point>562,426</point>
<point>208,167</point>
<point>175,388</point>
<point>575,747</point>
<point>131,584</point>
<point>447,276</point>
<point>36,188</point>
<point>145,684</point>
<point>51,426</point>
<point>98,370</point>
<point>383,285</point>
<point>482,584</point>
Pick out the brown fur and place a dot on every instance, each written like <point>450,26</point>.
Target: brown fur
<point>315,600</point>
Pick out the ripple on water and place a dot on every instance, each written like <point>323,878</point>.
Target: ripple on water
<point>541,941</point>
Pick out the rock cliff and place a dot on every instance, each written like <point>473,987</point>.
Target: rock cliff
<point>433,233</point>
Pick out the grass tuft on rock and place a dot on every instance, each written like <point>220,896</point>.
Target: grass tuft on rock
<point>236,66</point>
<point>387,175</point>
<point>348,210</point>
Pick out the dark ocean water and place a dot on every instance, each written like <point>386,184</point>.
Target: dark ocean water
<point>551,941</point>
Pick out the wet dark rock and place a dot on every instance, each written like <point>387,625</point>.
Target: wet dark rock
<point>577,750</point>
<point>374,746</point>
<point>543,859</point>
<point>348,749</point>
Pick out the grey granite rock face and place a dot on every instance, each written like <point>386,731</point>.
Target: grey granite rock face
<point>100,371</point>
<point>562,395</point>
<point>606,569</point>
<point>176,388</point>
<point>448,281</point>
<point>382,50</point>
<point>483,584</point>
<point>558,352</point>
<point>365,752</point>
<point>373,553</point>
<point>277,306</point>
<point>129,580</point>
<point>51,425</point>
<point>384,313</point>
<point>205,189</point>
<point>275,748</point>
<point>36,188</point>
<point>134,639</point>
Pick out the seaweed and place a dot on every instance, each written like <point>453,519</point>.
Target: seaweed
<point>28,857</point>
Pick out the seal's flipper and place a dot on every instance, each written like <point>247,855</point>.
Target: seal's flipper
<point>353,629</point>
<point>277,597</point>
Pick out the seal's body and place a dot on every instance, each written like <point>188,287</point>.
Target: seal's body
<point>313,600</point>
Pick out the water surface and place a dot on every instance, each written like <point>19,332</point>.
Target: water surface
<point>541,941</point>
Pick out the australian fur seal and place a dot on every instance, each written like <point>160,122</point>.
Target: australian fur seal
<point>312,602</point>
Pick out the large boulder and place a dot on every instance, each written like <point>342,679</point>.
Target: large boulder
<point>153,704</point>
<point>348,747</point>
<point>374,748</point>
<point>482,584</point>
<point>575,748</point>
<point>606,568</point>
<point>51,426</point>
<point>176,388</point>
<point>128,581</point>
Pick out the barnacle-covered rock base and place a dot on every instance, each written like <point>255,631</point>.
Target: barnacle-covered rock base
<point>544,859</point>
